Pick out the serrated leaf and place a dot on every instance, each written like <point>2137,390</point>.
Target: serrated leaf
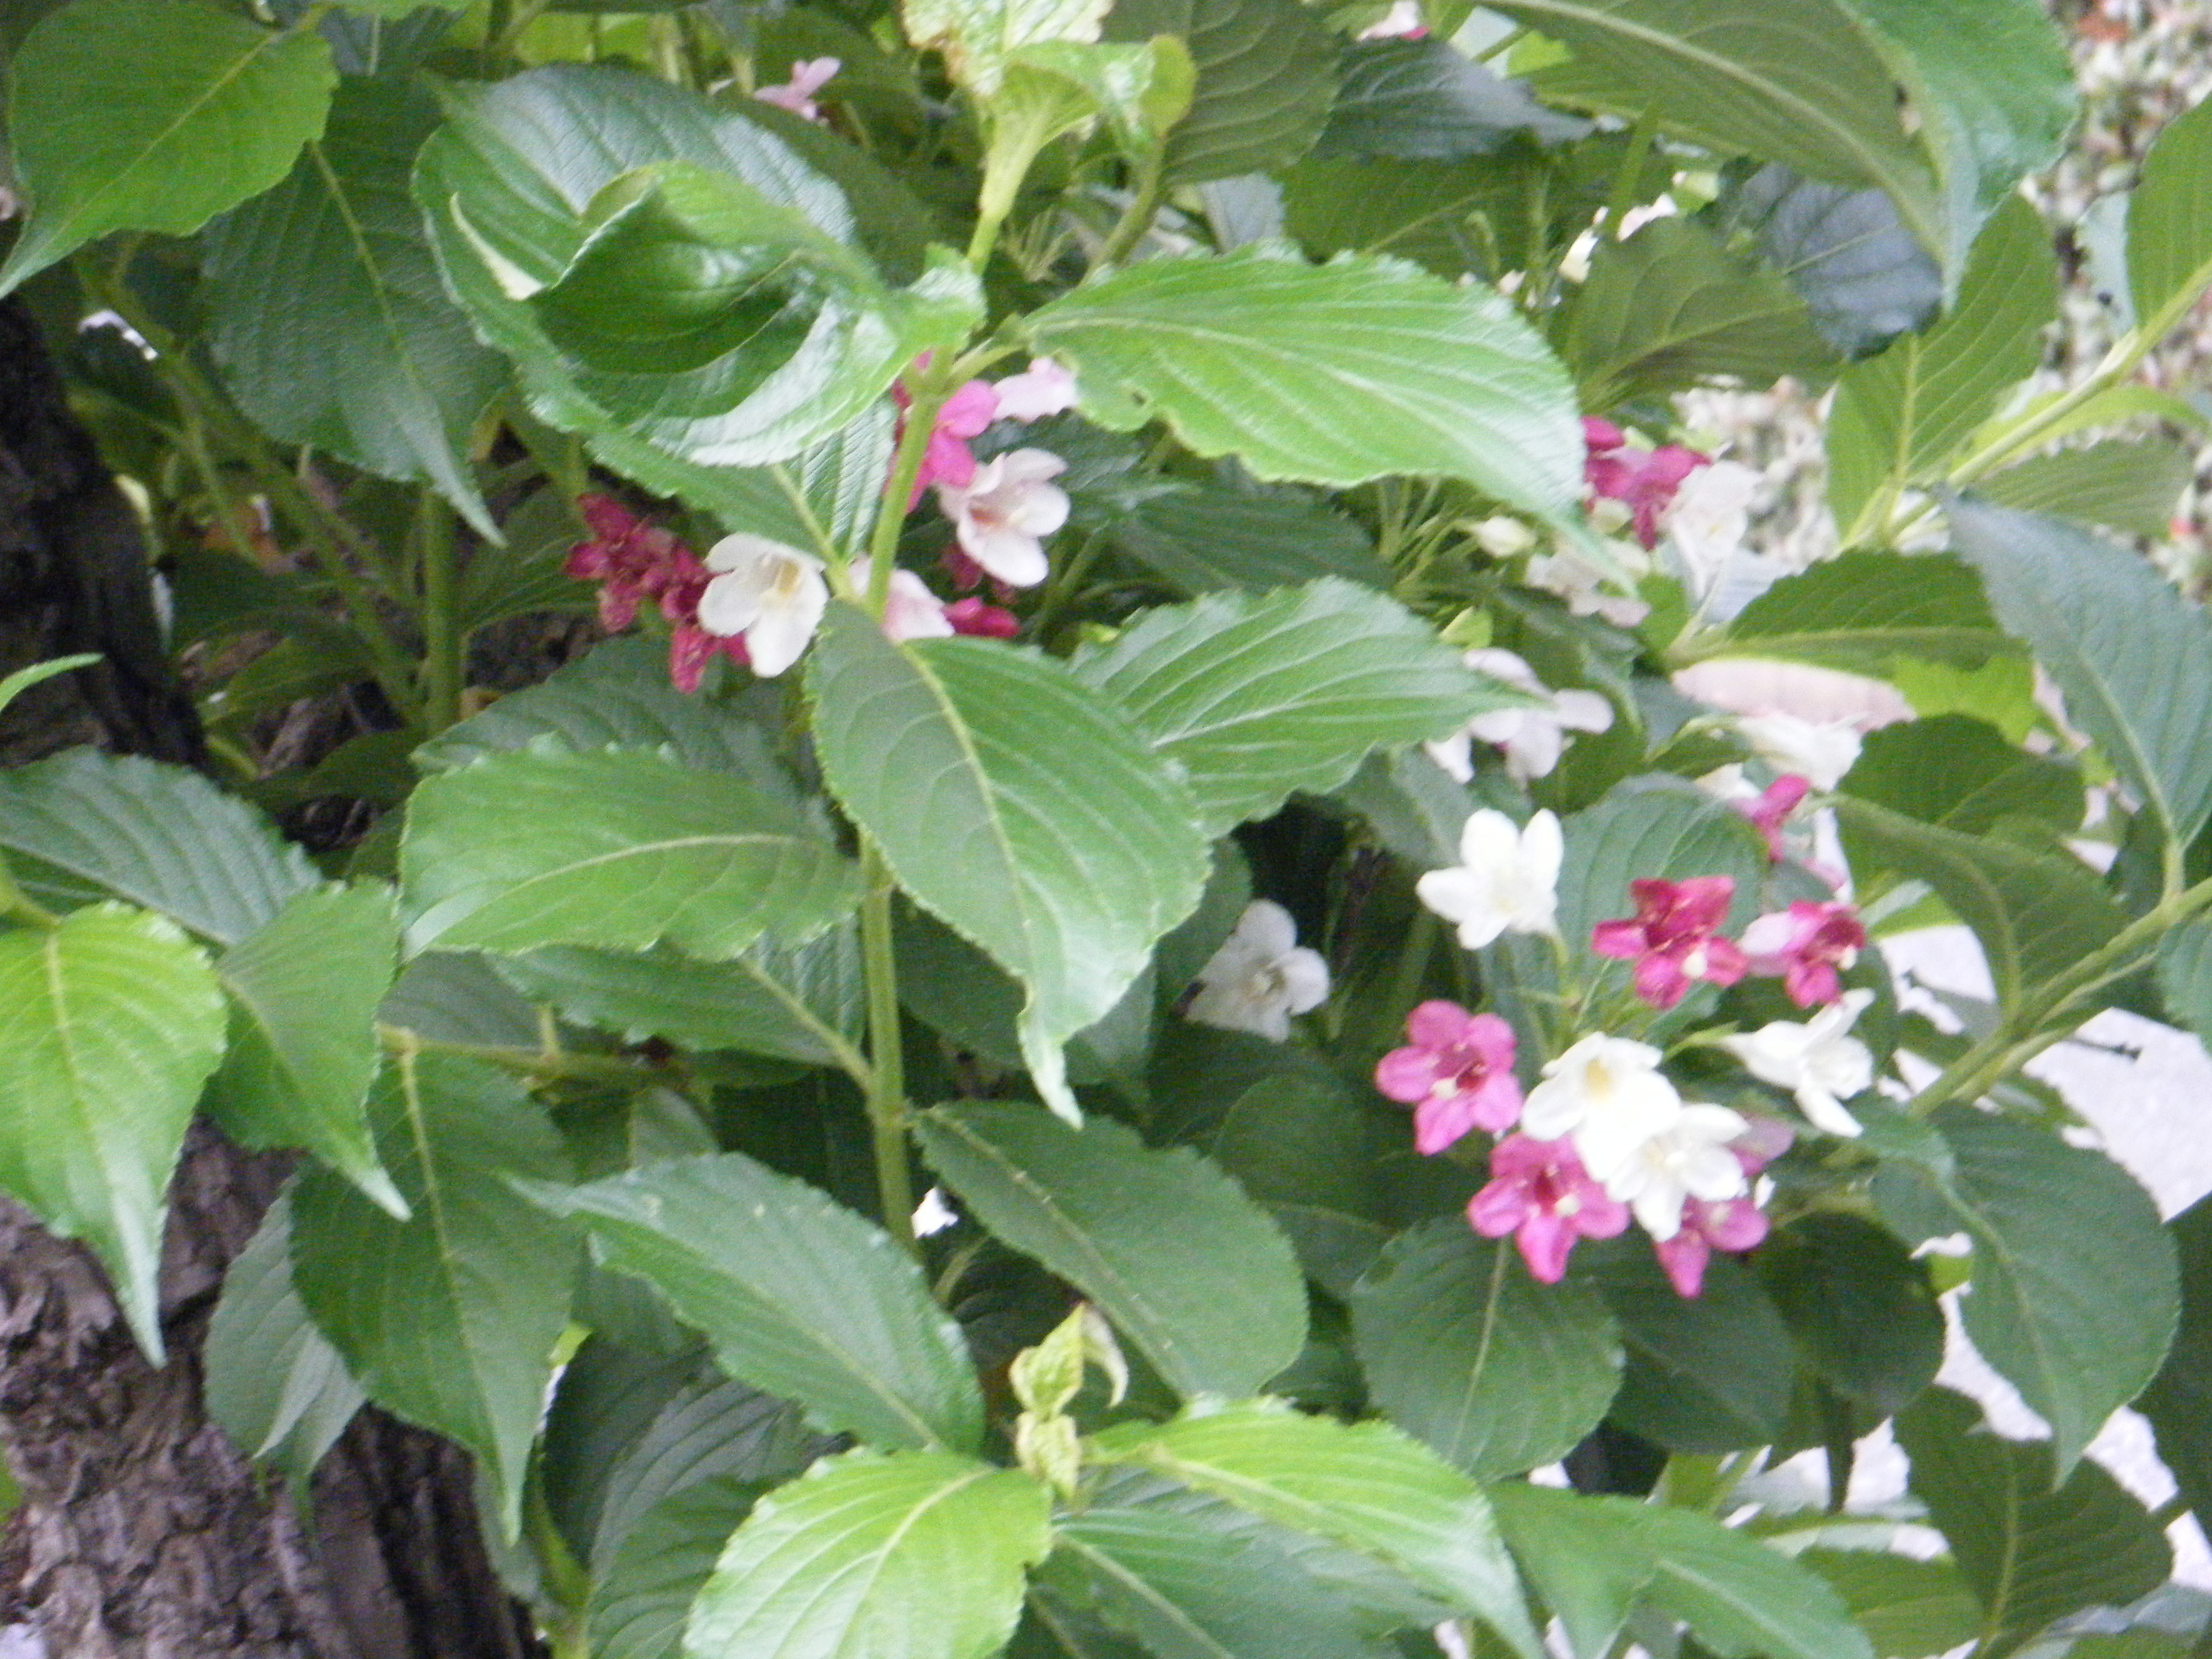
<point>1200,539</point>
<point>110,1022</point>
<point>900,1555</point>
<point>1334,374</point>
<point>640,1597</point>
<point>1363,1484</point>
<point>158,836</point>
<point>1424,100</point>
<point>330,324</point>
<point>149,115</point>
<point>1464,1350</point>
<point>2170,222</point>
<point>1864,610</point>
<point>1185,1265</point>
<point>2127,485</point>
<point>1909,1608</point>
<point>978,37</point>
<point>449,1318</point>
<point>800,1296</point>
<point>2178,1401</point>
<point>1863,1309</point>
<point>1669,833</point>
<point>274,1382</point>
<point>1265,77</point>
<point>1863,276</point>
<point>2073,1298</point>
<point>1256,696</point>
<point>304,991</point>
<point>1015,805</point>
<point>2030,1554</point>
<point>621,849</point>
<point>1956,772</point>
<point>444,996</point>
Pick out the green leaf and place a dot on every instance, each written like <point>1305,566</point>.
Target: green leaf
<point>2074,1298</point>
<point>1200,539</point>
<point>1910,1609</point>
<point>2132,656</point>
<point>641,1595</point>
<point>800,1296</point>
<point>978,37</point>
<point>1363,1484</point>
<point>1665,832</point>
<point>1864,610</point>
<point>304,992</point>
<point>1863,276</point>
<point>1266,75</point>
<point>1424,100</point>
<point>1464,1350</point>
<point>1334,374</point>
<point>274,1382</point>
<point>152,115</point>
<point>902,1555</point>
<point>110,1021</point>
<point>1016,806</point>
<point>2030,1554</point>
<point>13,686</point>
<point>448,997</point>
<point>1184,1264</point>
<point>2178,1401</point>
<point>1452,218</point>
<point>449,1318</point>
<point>1863,1309</point>
<point>620,848</point>
<point>1897,418</point>
<point>1957,773</point>
<point>1592,1559</point>
<point>1671,308</point>
<point>159,837</point>
<point>2170,223</point>
<point>1255,696</point>
<point>2130,486</point>
<point>329,321</point>
<point>2036,913</point>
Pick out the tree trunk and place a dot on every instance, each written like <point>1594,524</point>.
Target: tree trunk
<point>143,1532</point>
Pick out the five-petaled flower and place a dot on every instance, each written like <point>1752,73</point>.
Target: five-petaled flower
<point>1003,511</point>
<point>1691,1157</point>
<point>1819,1061</point>
<point>1671,938</point>
<point>1456,1072</point>
<point>1607,1092</point>
<point>1532,739</point>
<point>1540,1192</point>
<point>1805,945</point>
<point>771,595</point>
<point>1260,976</point>
<point>1507,879</point>
<point>1708,1224</point>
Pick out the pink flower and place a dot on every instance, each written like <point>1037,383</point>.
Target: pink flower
<point>691,648</point>
<point>1457,1074</point>
<point>1806,945</point>
<point>1041,389</point>
<point>1671,939</point>
<point>808,76</point>
<point>632,560</point>
<point>974,615</point>
<point>1708,1224</point>
<point>1773,808</point>
<point>1003,512</point>
<point>946,459</point>
<point>1642,480</point>
<point>1540,1192</point>
<point>911,611</point>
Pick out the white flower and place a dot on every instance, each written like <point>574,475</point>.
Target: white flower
<point>772,594</point>
<point>1586,587</point>
<point>1503,537</point>
<point>1818,1061</point>
<point>1803,718</point>
<point>1005,511</point>
<point>1820,752</point>
<point>1260,976</point>
<point>1532,739</point>
<point>1709,518</point>
<point>1403,21</point>
<point>808,78</point>
<point>934,1213</point>
<point>912,612</point>
<point>1507,879</point>
<point>1608,1093</point>
<point>1041,389</point>
<point>1689,1159</point>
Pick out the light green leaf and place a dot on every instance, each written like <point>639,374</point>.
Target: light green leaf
<point>2132,656</point>
<point>1897,418</point>
<point>1863,611</point>
<point>2178,1401</point>
<point>1465,1351</point>
<point>1424,100</point>
<point>150,115</point>
<point>898,1555</point>
<point>1201,540</point>
<point>1142,89</point>
<point>1185,1265</point>
<point>1361,368</point>
<point>2073,1298</point>
<point>1862,1308</point>
<point>13,686</point>
<point>1910,1609</point>
<point>1256,696</point>
<point>1363,1484</point>
<point>1265,77</point>
<point>800,1296</point>
<point>1956,773</point>
<point>620,848</point>
<point>159,837</point>
<point>2170,223</point>
<point>329,324</point>
<point>2029,1554</point>
<point>978,37</point>
<point>1666,832</point>
<point>110,1021</point>
<point>304,991</point>
<point>2128,485</point>
<point>449,1318</point>
<point>1016,806</point>
<point>274,1382</point>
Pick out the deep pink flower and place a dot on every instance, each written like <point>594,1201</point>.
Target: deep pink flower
<point>974,615</point>
<point>1671,939</point>
<point>1540,1192</point>
<point>1806,945</point>
<point>691,648</point>
<point>1456,1074</point>
<point>1708,1224</point>
<point>1643,480</point>
<point>1772,810</point>
<point>946,459</point>
<point>632,560</point>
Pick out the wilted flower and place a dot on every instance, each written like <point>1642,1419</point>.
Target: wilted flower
<point>771,594</point>
<point>1507,879</point>
<point>1671,937</point>
<point>1532,739</point>
<point>1260,976</point>
<point>1689,1159</point>
<point>631,559</point>
<point>1004,512</point>
<point>1456,1072</point>
<point>1805,945</point>
<point>1540,1192</point>
<point>1708,1224</point>
<point>1608,1093</point>
<point>691,648</point>
<point>1818,1061</point>
<point>976,616</point>
<point>1041,389</point>
<point>808,76</point>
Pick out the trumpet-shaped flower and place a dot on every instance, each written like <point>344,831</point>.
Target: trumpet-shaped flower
<point>1041,389</point>
<point>1708,1224</point>
<point>1691,1157</point>
<point>1002,514</point>
<point>1671,938</point>
<point>1507,879</point>
<point>1260,976</point>
<point>771,595</point>
<point>1540,1192</point>
<point>1805,945</point>
<point>1819,1061</point>
<point>1532,739</point>
<point>1608,1093</point>
<point>1456,1072</point>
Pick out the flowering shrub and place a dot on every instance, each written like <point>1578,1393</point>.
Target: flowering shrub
<point>911,1053</point>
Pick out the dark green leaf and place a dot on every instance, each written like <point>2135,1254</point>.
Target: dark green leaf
<point>1860,1306</point>
<point>2178,1401</point>
<point>1863,611</point>
<point>1266,78</point>
<point>1958,774</point>
<point>1201,538</point>
<point>2170,223</point>
<point>1863,277</point>
<point>640,1596</point>
<point>1910,1609</point>
<point>2128,485</point>
<point>707,1431</point>
<point>1423,101</point>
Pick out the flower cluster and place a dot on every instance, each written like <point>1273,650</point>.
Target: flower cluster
<point>1001,509</point>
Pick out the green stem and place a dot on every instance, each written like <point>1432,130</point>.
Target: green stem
<point>1061,593</point>
<point>445,645</point>
<point>1137,218</point>
<point>886,1055</point>
<point>527,1062</point>
<point>928,398</point>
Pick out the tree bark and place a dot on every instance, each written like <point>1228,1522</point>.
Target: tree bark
<point>143,1532</point>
